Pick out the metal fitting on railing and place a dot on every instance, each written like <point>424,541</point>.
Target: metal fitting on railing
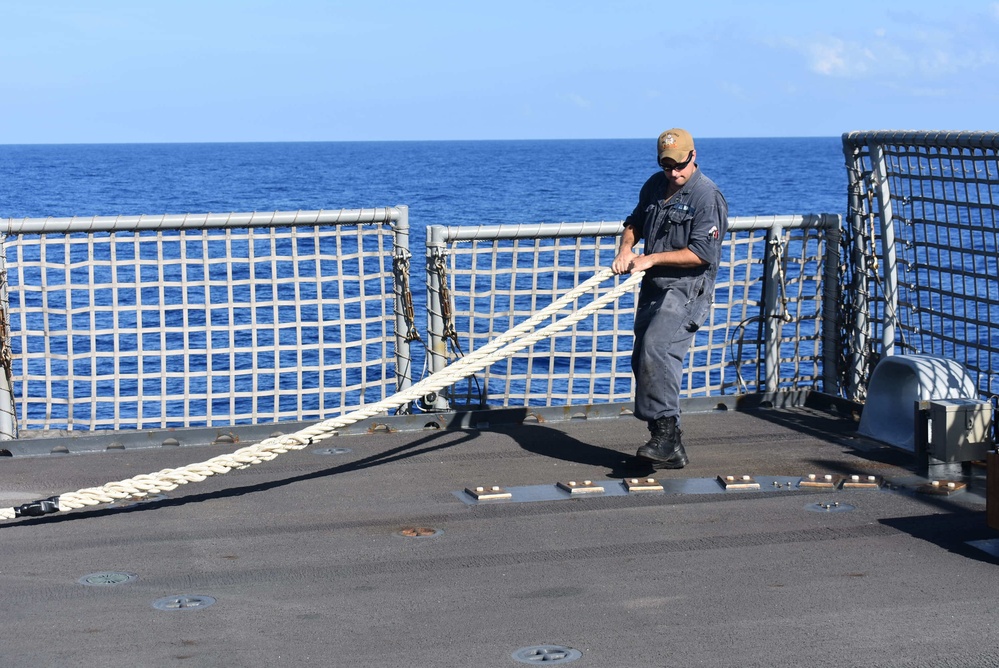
<point>401,266</point>
<point>445,298</point>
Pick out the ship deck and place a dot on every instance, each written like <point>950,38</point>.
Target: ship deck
<point>364,550</point>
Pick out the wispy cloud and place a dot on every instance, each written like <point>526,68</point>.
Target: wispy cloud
<point>579,101</point>
<point>834,57</point>
<point>918,48</point>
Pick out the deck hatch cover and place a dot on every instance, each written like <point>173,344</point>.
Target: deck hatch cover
<point>106,578</point>
<point>183,602</point>
<point>546,654</point>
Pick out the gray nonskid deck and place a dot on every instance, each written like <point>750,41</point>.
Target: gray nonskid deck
<point>307,561</point>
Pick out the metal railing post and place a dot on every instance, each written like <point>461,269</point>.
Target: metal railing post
<point>401,255</point>
<point>831,306</point>
<point>771,318</point>
<point>8,410</point>
<point>890,278</point>
<point>437,342</point>
<point>860,334</point>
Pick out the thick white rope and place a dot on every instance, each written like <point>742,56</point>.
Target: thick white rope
<point>511,341</point>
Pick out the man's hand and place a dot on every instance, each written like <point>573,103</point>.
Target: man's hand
<point>627,262</point>
<point>624,261</point>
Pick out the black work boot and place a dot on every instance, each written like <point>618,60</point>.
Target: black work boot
<point>664,449</point>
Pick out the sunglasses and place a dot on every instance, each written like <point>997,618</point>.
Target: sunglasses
<point>680,166</point>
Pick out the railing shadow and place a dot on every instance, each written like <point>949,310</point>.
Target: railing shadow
<point>835,423</point>
<point>949,531</point>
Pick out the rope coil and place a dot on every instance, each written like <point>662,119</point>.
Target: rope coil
<point>511,341</point>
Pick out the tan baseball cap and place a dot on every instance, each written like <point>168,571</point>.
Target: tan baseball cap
<point>675,144</point>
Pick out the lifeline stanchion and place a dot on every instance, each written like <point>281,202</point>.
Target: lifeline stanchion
<point>505,344</point>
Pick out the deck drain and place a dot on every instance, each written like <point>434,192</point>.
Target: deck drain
<point>419,532</point>
<point>834,507</point>
<point>183,602</point>
<point>546,654</point>
<point>106,579</point>
<point>331,451</point>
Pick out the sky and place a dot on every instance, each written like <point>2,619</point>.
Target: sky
<point>109,71</point>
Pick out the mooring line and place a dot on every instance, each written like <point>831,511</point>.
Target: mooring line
<point>511,341</point>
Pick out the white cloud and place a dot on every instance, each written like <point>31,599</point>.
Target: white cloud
<point>925,55</point>
<point>579,101</point>
<point>834,57</point>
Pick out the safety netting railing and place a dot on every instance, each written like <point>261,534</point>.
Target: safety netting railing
<point>923,232</point>
<point>151,322</point>
<point>766,330</point>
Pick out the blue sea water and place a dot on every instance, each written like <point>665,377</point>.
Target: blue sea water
<point>443,182</point>
<point>449,183</point>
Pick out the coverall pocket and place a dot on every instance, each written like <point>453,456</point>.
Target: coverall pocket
<point>699,306</point>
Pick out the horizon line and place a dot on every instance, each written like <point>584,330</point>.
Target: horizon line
<point>391,141</point>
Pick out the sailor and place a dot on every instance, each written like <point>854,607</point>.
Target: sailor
<point>683,217</point>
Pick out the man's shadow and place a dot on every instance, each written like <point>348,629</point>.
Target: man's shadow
<point>555,444</point>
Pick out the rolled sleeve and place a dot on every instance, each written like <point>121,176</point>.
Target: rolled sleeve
<point>709,230</point>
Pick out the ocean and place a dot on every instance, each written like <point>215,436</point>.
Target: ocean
<point>443,183</point>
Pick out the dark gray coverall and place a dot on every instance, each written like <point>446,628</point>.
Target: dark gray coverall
<point>673,302</point>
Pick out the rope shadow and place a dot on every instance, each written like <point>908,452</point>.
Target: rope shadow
<point>379,459</point>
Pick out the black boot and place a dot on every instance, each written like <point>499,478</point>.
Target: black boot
<point>664,449</point>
